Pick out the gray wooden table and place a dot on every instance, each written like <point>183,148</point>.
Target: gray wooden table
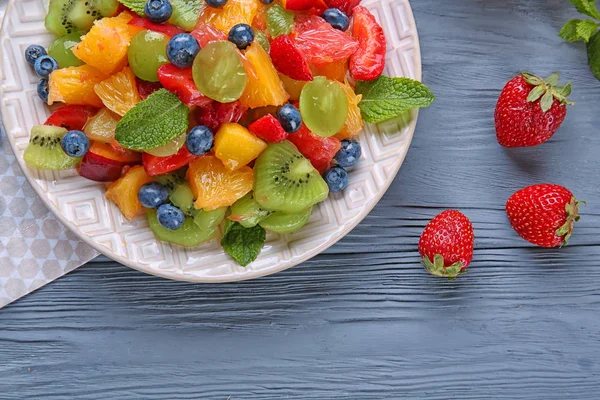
<point>363,320</point>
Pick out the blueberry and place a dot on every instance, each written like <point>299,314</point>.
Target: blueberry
<point>158,11</point>
<point>75,143</point>
<point>336,18</point>
<point>152,195</point>
<point>43,89</point>
<point>200,140</point>
<point>182,50</point>
<point>267,2</point>
<point>349,153</point>
<point>336,178</point>
<point>289,118</point>
<point>34,52</point>
<point>241,35</point>
<point>170,217</point>
<point>216,3</point>
<point>44,66</point>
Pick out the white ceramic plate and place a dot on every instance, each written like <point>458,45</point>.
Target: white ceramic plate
<point>81,206</point>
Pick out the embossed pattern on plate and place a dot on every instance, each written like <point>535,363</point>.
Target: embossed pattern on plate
<point>80,203</point>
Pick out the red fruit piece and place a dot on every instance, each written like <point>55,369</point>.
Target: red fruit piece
<point>71,117</point>
<point>163,165</point>
<point>269,129</point>
<point>446,244</point>
<point>319,150</point>
<point>320,43</point>
<point>369,60</point>
<point>206,33</point>
<point>146,88</point>
<point>105,162</point>
<point>346,6</point>
<point>288,60</point>
<point>315,6</point>
<point>530,110</point>
<point>543,214</point>
<point>216,114</point>
<point>181,82</point>
<point>167,29</point>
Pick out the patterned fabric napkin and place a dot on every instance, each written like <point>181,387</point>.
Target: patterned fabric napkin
<point>35,248</point>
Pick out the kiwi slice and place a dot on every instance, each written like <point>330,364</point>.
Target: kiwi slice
<point>280,222</point>
<point>44,150</point>
<point>67,16</point>
<point>180,193</point>
<point>286,181</point>
<point>203,226</point>
<point>248,212</point>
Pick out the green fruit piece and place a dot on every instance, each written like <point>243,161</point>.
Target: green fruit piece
<point>189,235</point>
<point>147,53</point>
<point>44,150</point>
<point>279,20</point>
<point>168,149</point>
<point>248,212</point>
<point>186,13</point>
<point>286,181</point>
<point>263,40</point>
<point>209,220</point>
<point>68,16</point>
<point>61,50</point>
<point>219,72</point>
<point>593,47</point>
<point>280,222</point>
<point>324,106</point>
<point>180,193</point>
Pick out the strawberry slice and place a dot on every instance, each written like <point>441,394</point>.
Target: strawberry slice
<point>206,33</point>
<point>319,150</point>
<point>269,129</point>
<point>320,43</point>
<point>181,82</point>
<point>346,6</point>
<point>314,6</point>
<point>146,88</point>
<point>154,165</point>
<point>71,117</point>
<point>167,29</point>
<point>288,60</point>
<point>369,60</point>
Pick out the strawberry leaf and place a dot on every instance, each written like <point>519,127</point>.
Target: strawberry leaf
<point>593,48</point>
<point>536,93</point>
<point>547,100</point>
<point>587,7</point>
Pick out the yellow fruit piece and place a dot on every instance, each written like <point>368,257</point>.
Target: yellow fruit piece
<point>235,146</point>
<point>124,191</point>
<point>335,71</point>
<point>233,13</point>
<point>293,87</point>
<point>264,88</point>
<point>105,46</point>
<point>75,85</point>
<point>119,92</point>
<point>101,127</point>
<point>214,186</point>
<point>354,122</point>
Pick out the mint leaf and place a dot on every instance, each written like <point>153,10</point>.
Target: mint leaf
<point>569,31</point>
<point>587,7</point>
<point>137,6</point>
<point>593,48</point>
<point>586,29</point>
<point>153,122</point>
<point>243,244</point>
<point>386,98</point>
<point>279,20</point>
<point>186,13</point>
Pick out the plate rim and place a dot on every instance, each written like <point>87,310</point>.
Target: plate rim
<point>208,279</point>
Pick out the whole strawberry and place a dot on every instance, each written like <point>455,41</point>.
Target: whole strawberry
<point>543,214</point>
<point>530,110</point>
<point>446,244</point>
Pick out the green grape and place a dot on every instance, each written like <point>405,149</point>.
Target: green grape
<point>62,51</point>
<point>168,149</point>
<point>323,106</point>
<point>219,72</point>
<point>147,52</point>
<point>279,20</point>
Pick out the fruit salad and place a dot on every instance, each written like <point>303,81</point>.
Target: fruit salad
<point>208,116</point>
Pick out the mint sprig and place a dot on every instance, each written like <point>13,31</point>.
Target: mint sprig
<point>386,98</point>
<point>185,12</point>
<point>585,30</point>
<point>243,244</point>
<point>153,122</point>
<point>279,20</point>
<point>137,6</point>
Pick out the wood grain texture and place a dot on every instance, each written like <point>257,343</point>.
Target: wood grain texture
<point>363,320</point>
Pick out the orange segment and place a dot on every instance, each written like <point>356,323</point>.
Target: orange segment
<point>354,121</point>
<point>336,71</point>
<point>235,146</point>
<point>114,152</point>
<point>119,92</point>
<point>260,19</point>
<point>124,191</point>
<point>105,46</point>
<point>233,13</point>
<point>264,88</point>
<point>214,186</point>
<point>75,85</point>
<point>101,127</point>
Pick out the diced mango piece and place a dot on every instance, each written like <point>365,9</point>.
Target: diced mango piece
<point>102,126</point>
<point>236,146</point>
